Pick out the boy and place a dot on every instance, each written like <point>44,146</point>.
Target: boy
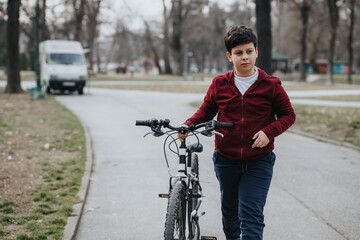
<point>243,158</point>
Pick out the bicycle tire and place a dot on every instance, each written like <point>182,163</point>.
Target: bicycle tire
<point>176,214</point>
<point>194,232</point>
<point>195,165</point>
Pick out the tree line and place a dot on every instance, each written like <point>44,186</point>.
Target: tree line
<point>189,37</point>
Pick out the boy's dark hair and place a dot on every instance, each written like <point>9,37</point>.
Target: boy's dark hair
<point>238,35</point>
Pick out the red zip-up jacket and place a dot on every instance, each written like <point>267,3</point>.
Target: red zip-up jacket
<point>250,113</point>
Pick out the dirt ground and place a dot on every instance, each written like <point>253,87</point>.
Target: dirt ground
<point>19,171</point>
<point>31,133</point>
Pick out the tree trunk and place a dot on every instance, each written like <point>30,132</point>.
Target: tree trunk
<point>153,52</point>
<point>79,15</point>
<point>334,20</point>
<point>350,39</point>
<point>93,9</point>
<point>98,58</point>
<point>12,48</point>
<point>177,35</point>
<point>305,9</point>
<point>44,31</point>
<point>314,44</point>
<point>263,27</point>
<point>313,58</point>
<point>166,42</point>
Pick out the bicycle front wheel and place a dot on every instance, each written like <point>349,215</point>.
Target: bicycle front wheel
<point>194,231</point>
<point>176,214</point>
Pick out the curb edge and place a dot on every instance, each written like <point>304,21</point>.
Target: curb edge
<point>324,139</point>
<point>73,221</point>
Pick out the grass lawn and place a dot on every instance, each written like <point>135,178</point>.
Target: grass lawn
<point>355,98</point>
<point>42,160</point>
<point>24,75</point>
<point>341,124</point>
<point>340,78</point>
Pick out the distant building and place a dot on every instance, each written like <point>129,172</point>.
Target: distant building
<point>280,62</point>
<point>338,67</point>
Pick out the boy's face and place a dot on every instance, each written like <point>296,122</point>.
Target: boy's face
<point>244,57</point>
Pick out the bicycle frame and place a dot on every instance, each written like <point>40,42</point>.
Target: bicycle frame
<point>187,178</point>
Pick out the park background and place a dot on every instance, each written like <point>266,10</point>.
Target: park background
<point>173,46</point>
<point>185,36</point>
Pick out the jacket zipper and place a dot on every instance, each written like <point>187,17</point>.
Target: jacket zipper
<point>242,127</point>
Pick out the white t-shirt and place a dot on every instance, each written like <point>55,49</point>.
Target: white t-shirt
<point>244,83</point>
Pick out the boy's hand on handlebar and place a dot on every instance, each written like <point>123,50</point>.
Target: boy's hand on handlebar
<point>182,135</point>
<point>261,140</point>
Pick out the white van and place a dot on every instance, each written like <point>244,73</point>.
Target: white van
<point>62,66</point>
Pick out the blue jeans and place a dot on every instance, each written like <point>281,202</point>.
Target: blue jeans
<point>244,188</point>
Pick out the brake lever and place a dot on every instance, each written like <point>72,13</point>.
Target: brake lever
<point>156,128</point>
<point>211,133</point>
<point>158,134</point>
<point>207,133</point>
<point>155,134</point>
<point>220,134</point>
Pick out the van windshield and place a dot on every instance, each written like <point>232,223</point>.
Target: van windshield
<point>65,58</point>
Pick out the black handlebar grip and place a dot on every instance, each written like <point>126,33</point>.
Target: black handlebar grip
<point>225,125</point>
<point>143,123</point>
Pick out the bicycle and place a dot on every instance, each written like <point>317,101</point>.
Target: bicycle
<point>185,192</point>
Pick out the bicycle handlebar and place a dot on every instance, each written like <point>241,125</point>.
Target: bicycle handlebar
<point>148,123</point>
<point>156,125</point>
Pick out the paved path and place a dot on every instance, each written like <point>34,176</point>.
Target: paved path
<point>314,194</point>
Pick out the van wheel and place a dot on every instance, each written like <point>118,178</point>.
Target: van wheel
<point>81,91</point>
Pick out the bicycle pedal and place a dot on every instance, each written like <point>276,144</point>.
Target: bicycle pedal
<point>163,195</point>
<point>208,238</point>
